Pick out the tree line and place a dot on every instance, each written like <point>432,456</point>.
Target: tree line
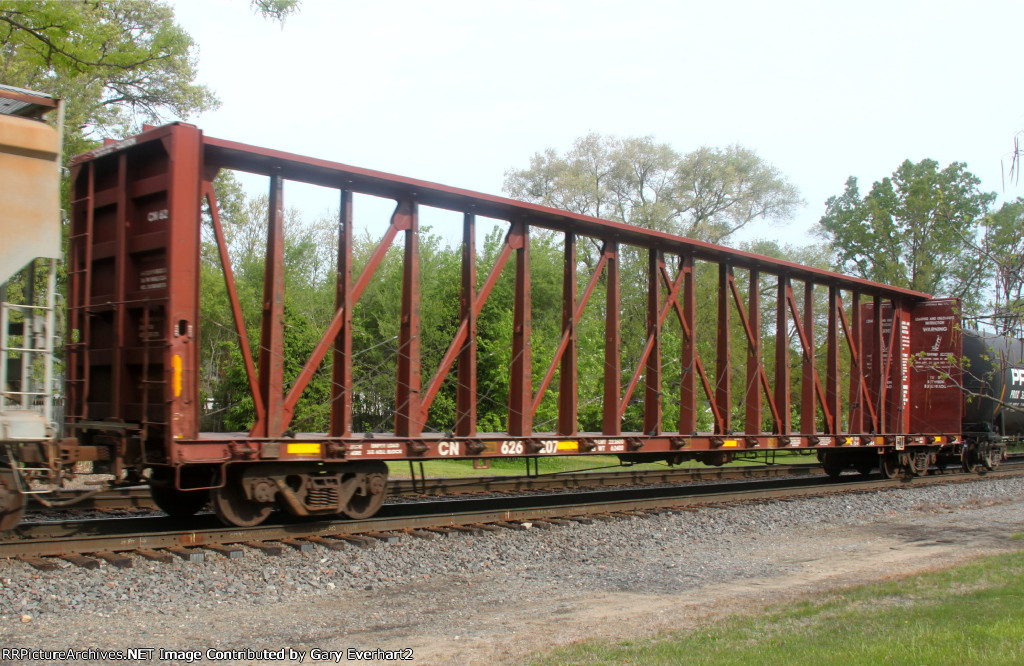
<point>926,227</point>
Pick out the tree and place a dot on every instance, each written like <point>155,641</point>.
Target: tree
<point>277,10</point>
<point>708,194</point>
<point>1003,249</point>
<point>116,63</point>
<point>915,229</point>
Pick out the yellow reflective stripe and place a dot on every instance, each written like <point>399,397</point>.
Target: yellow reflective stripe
<point>176,364</point>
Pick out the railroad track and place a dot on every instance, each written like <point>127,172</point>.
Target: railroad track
<point>139,496</point>
<point>86,542</point>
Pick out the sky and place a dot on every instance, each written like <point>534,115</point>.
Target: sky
<point>460,92</point>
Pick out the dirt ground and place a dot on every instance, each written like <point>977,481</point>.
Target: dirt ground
<point>885,550</point>
<point>503,617</point>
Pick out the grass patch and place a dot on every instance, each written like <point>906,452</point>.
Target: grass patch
<point>965,615</point>
<point>555,464</point>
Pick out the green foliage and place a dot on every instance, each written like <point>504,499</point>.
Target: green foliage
<point>707,194</point>
<point>277,10</point>
<point>915,229</point>
<point>309,284</point>
<point>1003,250</point>
<point>116,64</point>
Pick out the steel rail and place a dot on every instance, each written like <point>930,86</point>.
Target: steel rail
<point>57,539</point>
<point>139,496</point>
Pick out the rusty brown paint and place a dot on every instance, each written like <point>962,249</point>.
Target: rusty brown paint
<point>832,406</point>
<point>520,421</point>
<point>341,369</point>
<point>271,367</point>
<point>691,359</point>
<point>611,422</point>
<point>782,388</point>
<point>567,395</point>
<point>104,185</point>
<point>688,359</point>
<point>465,408</point>
<point>236,308</point>
<point>462,335</point>
<point>407,395</point>
<point>254,159</point>
<point>652,369</point>
<point>723,386</point>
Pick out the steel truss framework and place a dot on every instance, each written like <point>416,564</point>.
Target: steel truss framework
<point>134,316</point>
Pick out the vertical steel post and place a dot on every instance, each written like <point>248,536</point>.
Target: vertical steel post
<point>181,320</point>
<point>341,371</point>
<point>51,307</point>
<point>121,277</point>
<point>5,327</point>
<point>723,388</point>
<point>27,336</point>
<point>858,404</point>
<point>833,411</point>
<point>611,424</point>
<point>652,371</point>
<point>753,392</point>
<point>236,309</point>
<point>782,388</point>
<point>688,381</point>
<point>407,398</point>
<point>878,379</point>
<point>520,386</point>
<point>808,400</point>
<point>271,363</point>
<point>567,394</point>
<point>465,403</point>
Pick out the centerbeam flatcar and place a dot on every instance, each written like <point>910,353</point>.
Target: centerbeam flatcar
<point>895,392</point>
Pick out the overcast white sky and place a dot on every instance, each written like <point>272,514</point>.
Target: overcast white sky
<point>459,92</point>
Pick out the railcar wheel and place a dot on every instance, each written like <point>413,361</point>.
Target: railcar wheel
<point>888,465</point>
<point>179,503</point>
<point>864,466</point>
<point>234,508</point>
<point>174,502</point>
<point>368,499</point>
<point>976,458</point>
<point>12,501</point>
<point>833,464</point>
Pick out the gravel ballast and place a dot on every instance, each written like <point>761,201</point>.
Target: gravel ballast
<point>500,595</point>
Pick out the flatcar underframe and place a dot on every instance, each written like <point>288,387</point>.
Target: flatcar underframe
<point>133,326</point>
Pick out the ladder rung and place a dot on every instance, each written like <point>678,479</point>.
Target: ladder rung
<point>23,306</point>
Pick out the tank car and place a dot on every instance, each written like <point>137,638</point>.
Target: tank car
<point>993,383</point>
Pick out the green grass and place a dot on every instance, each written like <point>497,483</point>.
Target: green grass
<point>553,464</point>
<point>972,614</point>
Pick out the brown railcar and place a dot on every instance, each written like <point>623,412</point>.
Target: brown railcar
<point>133,316</point>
